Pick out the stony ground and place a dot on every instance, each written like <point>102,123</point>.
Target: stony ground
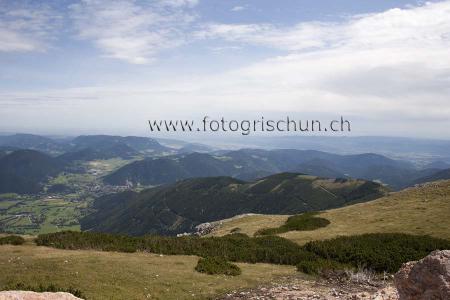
<point>336,287</point>
<point>23,295</point>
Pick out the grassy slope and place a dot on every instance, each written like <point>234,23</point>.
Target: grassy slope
<point>106,275</point>
<point>248,224</point>
<point>422,210</point>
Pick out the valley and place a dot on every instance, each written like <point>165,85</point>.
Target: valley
<point>63,201</point>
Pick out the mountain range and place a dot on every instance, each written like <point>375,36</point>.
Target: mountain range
<point>420,150</point>
<point>249,164</point>
<point>32,142</point>
<point>86,147</point>
<point>101,142</point>
<point>179,207</point>
<point>161,164</point>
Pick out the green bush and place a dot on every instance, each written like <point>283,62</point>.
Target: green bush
<point>377,251</point>
<point>43,288</point>
<point>12,240</point>
<point>233,247</point>
<point>314,267</point>
<point>303,222</point>
<point>217,265</point>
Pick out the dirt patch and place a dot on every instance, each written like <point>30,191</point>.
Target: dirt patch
<point>332,288</point>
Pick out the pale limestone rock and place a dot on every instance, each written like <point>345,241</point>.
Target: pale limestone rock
<point>26,295</point>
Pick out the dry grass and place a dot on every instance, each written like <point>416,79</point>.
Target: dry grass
<point>110,275</point>
<point>421,210</point>
<point>249,224</point>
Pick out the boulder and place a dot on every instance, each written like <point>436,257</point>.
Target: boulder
<point>428,278</point>
<point>25,295</point>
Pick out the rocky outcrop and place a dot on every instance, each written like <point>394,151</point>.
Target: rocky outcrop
<point>428,278</point>
<point>205,228</point>
<point>25,295</point>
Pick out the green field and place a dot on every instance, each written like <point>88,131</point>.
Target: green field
<point>40,215</point>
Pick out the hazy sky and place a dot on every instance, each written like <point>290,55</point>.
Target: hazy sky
<point>109,66</point>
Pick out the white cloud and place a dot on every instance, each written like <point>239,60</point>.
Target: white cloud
<point>25,28</point>
<point>179,3</point>
<point>131,32</point>
<point>395,63</point>
<point>238,8</point>
<point>424,25</point>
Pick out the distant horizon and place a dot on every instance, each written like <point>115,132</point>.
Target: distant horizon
<point>183,137</point>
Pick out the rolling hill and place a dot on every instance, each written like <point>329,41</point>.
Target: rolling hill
<point>438,165</point>
<point>155,171</point>
<point>105,142</point>
<point>249,164</point>
<point>420,210</point>
<point>180,207</point>
<point>319,167</point>
<point>195,147</point>
<point>439,175</point>
<point>119,150</point>
<point>24,171</point>
<point>112,145</point>
<point>32,142</point>
<point>390,146</point>
<point>104,146</point>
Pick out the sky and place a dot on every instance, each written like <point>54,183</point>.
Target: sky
<point>102,66</point>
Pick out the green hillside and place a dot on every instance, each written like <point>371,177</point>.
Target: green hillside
<point>25,171</point>
<point>180,207</point>
<point>419,210</point>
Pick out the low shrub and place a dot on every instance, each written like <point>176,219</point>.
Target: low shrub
<point>12,240</point>
<point>217,265</point>
<point>376,251</point>
<point>303,222</point>
<point>233,247</point>
<point>314,267</point>
<point>43,288</point>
